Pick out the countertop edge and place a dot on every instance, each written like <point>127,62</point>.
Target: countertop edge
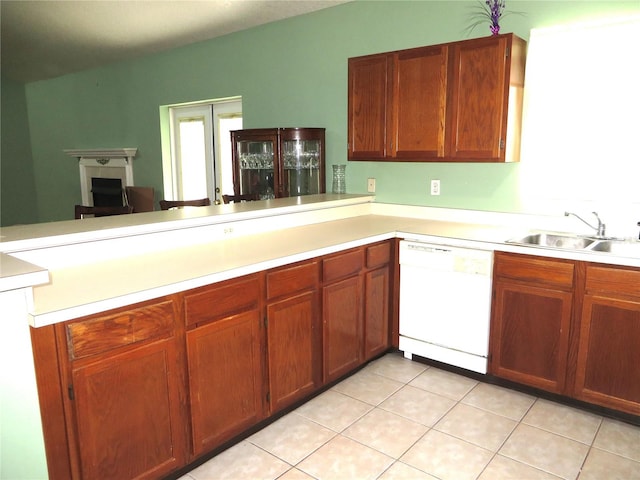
<point>376,222</point>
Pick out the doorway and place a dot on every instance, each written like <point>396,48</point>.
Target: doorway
<point>201,157</point>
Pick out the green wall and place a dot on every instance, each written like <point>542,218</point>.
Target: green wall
<point>18,200</point>
<point>289,73</point>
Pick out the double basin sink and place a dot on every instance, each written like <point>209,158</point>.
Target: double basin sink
<point>623,248</point>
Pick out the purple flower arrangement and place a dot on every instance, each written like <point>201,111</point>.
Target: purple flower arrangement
<point>491,11</point>
<point>496,8</point>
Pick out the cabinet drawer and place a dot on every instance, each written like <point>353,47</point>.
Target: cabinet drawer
<point>543,271</point>
<point>292,279</point>
<point>223,299</point>
<point>378,255</point>
<point>620,281</point>
<point>107,332</point>
<point>342,265</point>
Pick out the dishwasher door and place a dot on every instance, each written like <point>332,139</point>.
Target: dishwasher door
<point>445,303</point>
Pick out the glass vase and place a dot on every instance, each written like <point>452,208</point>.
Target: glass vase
<point>339,180</point>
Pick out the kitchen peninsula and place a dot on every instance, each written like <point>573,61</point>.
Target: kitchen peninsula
<point>162,265</point>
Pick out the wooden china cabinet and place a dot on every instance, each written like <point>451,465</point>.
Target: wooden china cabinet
<point>455,102</point>
<point>278,162</point>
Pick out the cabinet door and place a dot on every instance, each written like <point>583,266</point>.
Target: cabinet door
<point>376,312</point>
<point>225,378</point>
<point>369,90</point>
<point>128,417</point>
<point>608,354</point>
<point>478,100</point>
<point>293,332</point>
<point>342,316</point>
<point>294,350</point>
<point>530,335</point>
<point>418,113</point>
<point>255,162</point>
<point>124,374</point>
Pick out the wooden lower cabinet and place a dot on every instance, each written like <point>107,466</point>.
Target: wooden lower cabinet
<point>293,333</point>
<point>356,312</point>
<point>123,384</point>
<point>342,313</point>
<point>377,310</point>
<point>531,318</point>
<point>226,388</point>
<point>608,370</point>
<point>154,386</point>
<point>225,360</point>
<point>568,327</point>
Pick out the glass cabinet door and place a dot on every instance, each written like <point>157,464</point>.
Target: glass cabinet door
<point>256,167</point>
<point>301,167</point>
<point>278,162</point>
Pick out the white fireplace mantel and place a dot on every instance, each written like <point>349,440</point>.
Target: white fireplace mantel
<point>105,163</point>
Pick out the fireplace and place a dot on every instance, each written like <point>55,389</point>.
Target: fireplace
<point>104,174</point>
<point>107,192</point>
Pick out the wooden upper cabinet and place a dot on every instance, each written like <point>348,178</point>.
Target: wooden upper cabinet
<point>455,102</point>
<point>484,122</point>
<point>418,112</point>
<point>368,92</point>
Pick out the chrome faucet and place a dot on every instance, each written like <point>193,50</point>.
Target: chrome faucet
<point>600,229</point>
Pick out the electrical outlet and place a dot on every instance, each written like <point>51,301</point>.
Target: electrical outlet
<point>371,185</point>
<point>435,187</point>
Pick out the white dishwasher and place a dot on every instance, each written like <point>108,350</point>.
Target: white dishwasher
<point>445,303</point>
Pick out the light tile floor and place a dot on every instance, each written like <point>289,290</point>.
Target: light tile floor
<point>398,419</point>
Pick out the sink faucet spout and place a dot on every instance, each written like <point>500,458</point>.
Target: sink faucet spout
<point>600,229</point>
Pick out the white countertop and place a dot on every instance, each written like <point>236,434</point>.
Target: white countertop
<point>166,258</point>
<point>16,273</point>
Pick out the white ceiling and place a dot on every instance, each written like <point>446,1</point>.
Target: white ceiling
<point>49,38</point>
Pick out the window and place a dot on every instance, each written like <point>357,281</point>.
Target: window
<point>201,162</point>
<point>580,126</point>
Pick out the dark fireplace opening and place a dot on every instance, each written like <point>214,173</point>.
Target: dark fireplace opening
<point>107,192</point>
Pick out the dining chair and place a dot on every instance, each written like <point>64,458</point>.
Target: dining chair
<point>140,198</point>
<point>167,204</point>
<point>82,211</point>
<point>247,197</point>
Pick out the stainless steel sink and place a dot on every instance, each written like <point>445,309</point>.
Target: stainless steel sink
<point>570,242</point>
<point>623,248</point>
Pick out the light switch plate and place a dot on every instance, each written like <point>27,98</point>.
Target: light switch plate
<point>371,185</point>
